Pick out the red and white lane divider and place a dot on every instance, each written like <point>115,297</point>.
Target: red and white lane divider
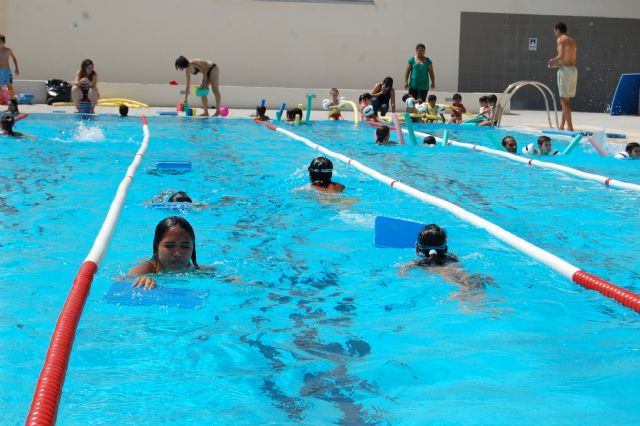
<point>614,183</point>
<point>44,406</point>
<point>564,268</point>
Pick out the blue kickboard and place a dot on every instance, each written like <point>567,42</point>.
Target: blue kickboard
<point>626,98</point>
<point>170,205</point>
<point>173,165</point>
<point>122,293</point>
<point>396,233</point>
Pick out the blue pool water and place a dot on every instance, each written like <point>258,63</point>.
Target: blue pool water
<point>307,322</point>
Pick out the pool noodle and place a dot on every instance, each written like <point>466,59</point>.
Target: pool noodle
<point>409,124</point>
<point>396,122</point>
<point>445,138</point>
<point>279,113</point>
<point>597,146</point>
<point>573,143</point>
<point>310,96</point>
<point>492,138</point>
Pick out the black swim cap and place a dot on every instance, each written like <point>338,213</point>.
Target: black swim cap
<point>320,171</point>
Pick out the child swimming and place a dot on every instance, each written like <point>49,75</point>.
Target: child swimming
<point>434,254</point>
<point>320,172</point>
<point>173,250</point>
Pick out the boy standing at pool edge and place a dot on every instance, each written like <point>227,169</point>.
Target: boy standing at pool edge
<point>6,79</point>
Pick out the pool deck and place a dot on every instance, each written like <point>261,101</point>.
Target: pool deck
<point>628,125</point>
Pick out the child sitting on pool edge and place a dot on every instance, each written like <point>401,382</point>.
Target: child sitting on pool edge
<point>367,113</point>
<point>320,173</point>
<point>457,109</point>
<point>631,152</point>
<point>433,110</point>
<point>261,113</point>
<point>334,111</point>
<point>174,250</point>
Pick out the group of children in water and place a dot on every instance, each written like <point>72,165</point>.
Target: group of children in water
<point>174,241</point>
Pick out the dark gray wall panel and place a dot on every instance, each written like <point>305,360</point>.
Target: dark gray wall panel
<point>494,52</point>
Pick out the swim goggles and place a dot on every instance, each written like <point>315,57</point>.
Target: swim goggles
<point>426,249</point>
<point>320,170</point>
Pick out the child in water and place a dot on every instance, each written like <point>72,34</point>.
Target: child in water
<point>434,254</point>
<point>7,121</point>
<point>631,152</point>
<point>382,136</point>
<point>544,147</point>
<point>174,250</point>
<point>320,172</point>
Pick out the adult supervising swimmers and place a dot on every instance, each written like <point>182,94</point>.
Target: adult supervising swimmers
<point>565,62</point>
<point>210,76</point>
<point>416,76</point>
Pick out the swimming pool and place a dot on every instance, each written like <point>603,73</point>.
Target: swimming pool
<point>306,321</point>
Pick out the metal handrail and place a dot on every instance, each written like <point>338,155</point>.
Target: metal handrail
<point>514,87</point>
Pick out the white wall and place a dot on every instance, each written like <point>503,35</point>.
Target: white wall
<point>256,42</point>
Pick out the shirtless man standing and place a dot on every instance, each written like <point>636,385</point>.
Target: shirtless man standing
<point>6,79</point>
<point>565,61</point>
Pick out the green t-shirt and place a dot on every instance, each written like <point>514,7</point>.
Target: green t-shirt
<point>419,78</point>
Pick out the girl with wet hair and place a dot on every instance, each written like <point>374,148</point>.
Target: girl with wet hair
<point>174,250</point>
<point>320,173</point>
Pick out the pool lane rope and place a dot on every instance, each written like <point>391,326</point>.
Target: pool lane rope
<point>46,398</point>
<point>564,268</point>
<point>614,183</point>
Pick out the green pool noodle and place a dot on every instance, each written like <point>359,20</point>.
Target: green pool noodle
<point>310,96</point>
<point>445,138</point>
<point>573,144</point>
<point>409,124</point>
<point>496,143</point>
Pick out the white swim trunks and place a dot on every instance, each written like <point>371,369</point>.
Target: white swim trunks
<point>567,81</point>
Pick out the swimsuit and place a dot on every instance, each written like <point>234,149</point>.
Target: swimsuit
<point>567,81</point>
<point>85,89</point>
<point>6,78</point>
<point>196,70</point>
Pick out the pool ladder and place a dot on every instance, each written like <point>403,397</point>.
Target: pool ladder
<point>506,96</point>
